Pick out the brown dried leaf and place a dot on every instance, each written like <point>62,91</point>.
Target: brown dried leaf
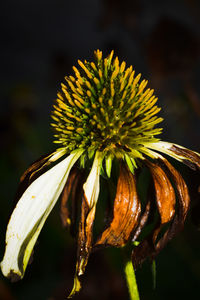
<point>127,209</point>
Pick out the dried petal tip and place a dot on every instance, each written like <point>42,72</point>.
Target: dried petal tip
<point>76,287</point>
<point>88,209</point>
<point>184,155</point>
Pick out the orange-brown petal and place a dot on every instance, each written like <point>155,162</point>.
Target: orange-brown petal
<point>166,200</point>
<point>182,210</point>
<point>165,195</point>
<point>148,248</point>
<point>127,209</point>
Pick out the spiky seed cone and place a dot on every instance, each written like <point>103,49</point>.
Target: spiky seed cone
<point>105,107</point>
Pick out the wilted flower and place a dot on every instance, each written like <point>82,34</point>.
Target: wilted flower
<point>103,116</point>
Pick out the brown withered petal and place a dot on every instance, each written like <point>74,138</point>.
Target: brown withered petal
<point>165,195</point>
<point>143,220</point>
<point>127,209</point>
<point>192,159</point>
<point>142,252</point>
<point>182,210</point>
<point>31,174</point>
<point>85,236</point>
<point>166,200</point>
<point>73,187</point>
<point>146,247</point>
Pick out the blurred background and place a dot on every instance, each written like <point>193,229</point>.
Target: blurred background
<point>40,41</point>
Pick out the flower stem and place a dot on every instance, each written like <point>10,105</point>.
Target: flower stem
<point>131,281</point>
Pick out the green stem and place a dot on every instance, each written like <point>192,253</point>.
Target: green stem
<point>131,281</point>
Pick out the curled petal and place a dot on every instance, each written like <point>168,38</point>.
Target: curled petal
<point>183,206</point>
<point>186,156</point>
<point>148,247</point>
<point>91,193</point>
<point>73,187</point>
<point>165,195</point>
<point>143,220</point>
<point>30,215</point>
<point>126,212</point>
<point>141,252</point>
<point>166,200</point>
<point>85,235</point>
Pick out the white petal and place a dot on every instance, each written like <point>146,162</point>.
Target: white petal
<point>91,186</point>
<point>184,155</point>
<point>164,147</point>
<point>30,215</point>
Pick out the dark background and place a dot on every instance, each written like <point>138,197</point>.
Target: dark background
<point>40,41</point>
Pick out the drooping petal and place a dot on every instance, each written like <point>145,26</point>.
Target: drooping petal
<point>166,200</point>
<point>143,220</point>
<point>73,187</point>
<point>91,186</point>
<point>127,209</point>
<point>165,195</point>
<point>186,156</point>
<point>91,193</point>
<point>182,210</point>
<point>30,215</point>
<point>142,252</point>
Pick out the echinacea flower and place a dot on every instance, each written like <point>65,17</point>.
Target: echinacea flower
<point>104,115</point>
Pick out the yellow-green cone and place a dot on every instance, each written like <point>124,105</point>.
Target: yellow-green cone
<point>106,107</point>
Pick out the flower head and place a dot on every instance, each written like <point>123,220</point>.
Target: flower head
<point>106,108</point>
<point>104,115</point>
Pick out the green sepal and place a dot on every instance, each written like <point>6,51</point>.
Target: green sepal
<point>137,153</point>
<point>82,161</point>
<point>91,153</point>
<point>134,163</point>
<point>108,161</point>
<point>129,163</point>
